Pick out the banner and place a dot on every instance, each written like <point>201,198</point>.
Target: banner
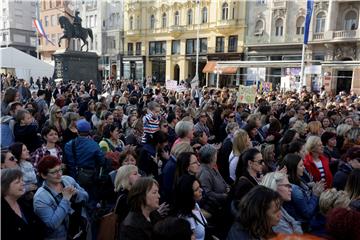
<point>309,9</point>
<point>265,87</point>
<point>171,85</point>
<point>247,94</point>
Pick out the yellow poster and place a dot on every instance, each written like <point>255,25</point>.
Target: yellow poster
<point>247,94</point>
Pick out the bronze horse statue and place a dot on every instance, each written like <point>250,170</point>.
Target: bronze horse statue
<point>69,32</point>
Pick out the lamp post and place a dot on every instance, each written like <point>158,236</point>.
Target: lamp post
<point>217,71</point>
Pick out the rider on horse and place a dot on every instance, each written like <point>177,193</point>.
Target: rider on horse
<point>77,23</point>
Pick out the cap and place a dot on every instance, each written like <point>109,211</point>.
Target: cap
<point>83,126</point>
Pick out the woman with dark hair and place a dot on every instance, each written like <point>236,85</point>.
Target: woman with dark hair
<point>288,137</point>
<point>149,159</point>
<point>18,220</point>
<point>143,199</point>
<point>8,160</point>
<point>353,189</point>
<point>186,164</point>
<point>90,110</point>
<point>351,160</point>
<point>187,195</point>
<point>251,129</point>
<point>21,153</point>
<point>111,139</point>
<point>248,171</point>
<point>51,137</point>
<point>56,199</point>
<point>304,200</point>
<point>342,223</point>
<point>11,95</point>
<point>259,211</point>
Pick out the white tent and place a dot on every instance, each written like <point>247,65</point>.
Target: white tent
<point>24,65</point>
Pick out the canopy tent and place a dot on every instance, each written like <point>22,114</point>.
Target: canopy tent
<point>24,65</point>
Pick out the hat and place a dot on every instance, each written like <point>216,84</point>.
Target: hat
<point>83,126</point>
<point>326,136</point>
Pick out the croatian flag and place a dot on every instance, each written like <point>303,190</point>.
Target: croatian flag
<point>309,6</point>
<point>40,29</point>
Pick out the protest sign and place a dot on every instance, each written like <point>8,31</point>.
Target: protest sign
<point>247,94</point>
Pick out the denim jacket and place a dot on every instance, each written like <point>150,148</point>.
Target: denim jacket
<point>56,216</point>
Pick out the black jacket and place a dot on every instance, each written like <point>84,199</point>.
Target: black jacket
<point>341,176</point>
<point>14,227</point>
<point>136,227</point>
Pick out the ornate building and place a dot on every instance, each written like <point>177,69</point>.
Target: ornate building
<point>160,39</point>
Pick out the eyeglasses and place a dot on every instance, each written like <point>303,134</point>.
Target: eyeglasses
<point>60,170</point>
<point>193,163</point>
<point>13,159</point>
<point>261,162</point>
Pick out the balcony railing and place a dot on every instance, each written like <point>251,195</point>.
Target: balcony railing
<point>226,23</point>
<point>279,3</point>
<point>176,28</point>
<point>344,34</point>
<point>318,36</point>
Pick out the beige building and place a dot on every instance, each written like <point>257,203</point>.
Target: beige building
<point>160,39</point>
<point>50,11</point>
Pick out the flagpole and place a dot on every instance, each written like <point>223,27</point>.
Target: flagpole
<point>302,68</point>
<point>37,33</point>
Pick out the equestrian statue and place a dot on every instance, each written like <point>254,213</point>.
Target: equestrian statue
<point>75,30</point>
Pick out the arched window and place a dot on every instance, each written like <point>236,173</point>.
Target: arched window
<point>279,27</point>
<point>225,12</point>
<point>177,18</point>
<point>300,26</point>
<point>152,22</point>
<point>320,23</point>
<point>189,17</point>
<point>164,20</point>
<point>204,15</point>
<point>131,23</point>
<point>259,27</point>
<point>351,20</point>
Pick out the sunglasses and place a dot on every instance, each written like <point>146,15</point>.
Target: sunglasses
<point>58,112</point>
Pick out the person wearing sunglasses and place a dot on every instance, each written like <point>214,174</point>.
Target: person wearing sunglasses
<point>8,160</point>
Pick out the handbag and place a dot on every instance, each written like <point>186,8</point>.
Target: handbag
<point>108,226</point>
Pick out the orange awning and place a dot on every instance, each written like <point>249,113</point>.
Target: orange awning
<point>228,70</point>
<point>209,67</point>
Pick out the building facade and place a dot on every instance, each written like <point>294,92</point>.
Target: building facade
<point>50,11</point>
<point>17,25</point>
<point>160,39</point>
<point>275,36</point>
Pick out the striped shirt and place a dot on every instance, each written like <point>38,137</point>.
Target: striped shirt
<point>151,125</point>
<point>320,166</point>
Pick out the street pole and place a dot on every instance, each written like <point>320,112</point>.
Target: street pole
<point>196,78</point>
<point>302,69</point>
<point>37,34</point>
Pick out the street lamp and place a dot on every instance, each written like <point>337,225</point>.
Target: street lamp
<point>217,71</point>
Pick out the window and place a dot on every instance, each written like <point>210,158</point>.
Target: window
<point>225,12</point>
<point>175,47</point>
<point>204,15</point>
<point>220,44</point>
<point>350,20</point>
<point>131,23</point>
<point>58,3</point>
<point>152,22</point>
<point>138,23</point>
<point>189,17</point>
<point>130,48</point>
<point>300,26</point>
<point>191,46</point>
<point>320,23</point>
<point>50,3</point>
<point>94,21</point>
<point>164,20</point>
<point>259,28</point>
<point>53,20</point>
<point>177,18</point>
<point>87,21</point>
<point>91,21</point>
<point>279,28</point>
<point>260,2</point>
<point>138,48</point>
<point>157,48</point>
<point>46,20</point>
<point>233,44</point>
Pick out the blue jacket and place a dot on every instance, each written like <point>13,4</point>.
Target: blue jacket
<point>88,153</point>
<point>303,204</point>
<point>341,176</point>
<point>287,224</point>
<point>168,177</point>
<point>7,131</point>
<point>54,216</point>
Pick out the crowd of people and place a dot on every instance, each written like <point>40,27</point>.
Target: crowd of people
<point>184,165</point>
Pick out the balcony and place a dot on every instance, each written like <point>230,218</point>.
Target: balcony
<point>176,30</point>
<point>345,34</point>
<point>226,26</point>
<point>279,4</point>
<point>318,36</point>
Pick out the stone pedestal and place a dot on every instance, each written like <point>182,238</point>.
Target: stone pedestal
<point>78,66</point>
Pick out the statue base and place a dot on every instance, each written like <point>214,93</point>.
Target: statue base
<point>78,66</point>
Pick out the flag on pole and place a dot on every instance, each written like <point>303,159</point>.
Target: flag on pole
<point>309,9</point>
<point>41,31</point>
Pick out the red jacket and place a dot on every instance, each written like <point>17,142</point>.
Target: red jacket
<point>314,171</point>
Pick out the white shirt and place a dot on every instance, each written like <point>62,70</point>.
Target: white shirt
<point>196,227</point>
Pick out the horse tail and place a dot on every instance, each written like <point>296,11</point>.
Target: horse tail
<point>90,34</point>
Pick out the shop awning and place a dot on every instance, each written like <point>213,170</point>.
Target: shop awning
<point>228,70</point>
<point>209,67</point>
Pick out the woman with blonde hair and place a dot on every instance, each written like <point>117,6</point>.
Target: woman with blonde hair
<point>56,120</point>
<point>316,162</point>
<point>71,131</point>
<point>241,142</point>
<point>126,176</point>
<point>268,153</point>
<point>315,128</point>
<point>341,132</point>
